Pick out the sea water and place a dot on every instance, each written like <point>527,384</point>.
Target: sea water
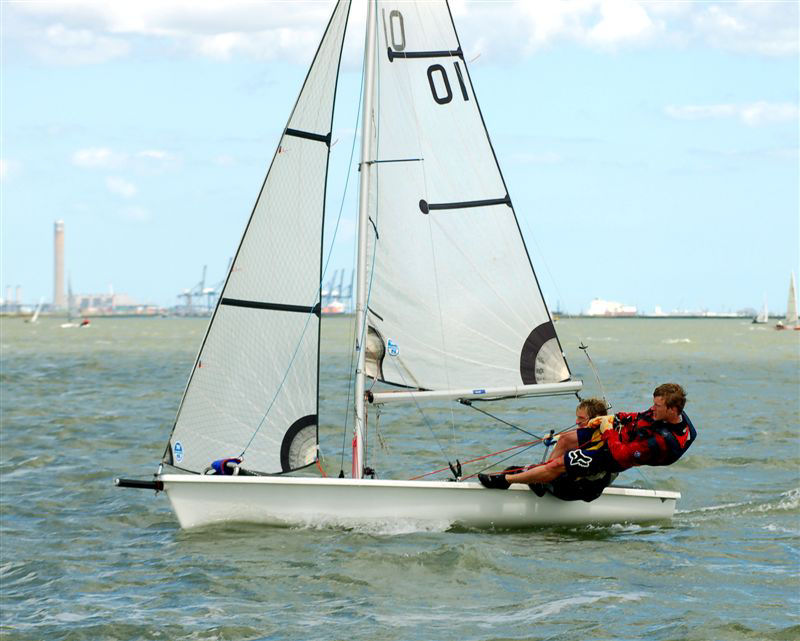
<point>81,559</point>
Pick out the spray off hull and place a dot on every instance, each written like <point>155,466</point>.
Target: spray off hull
<point>289,501</point>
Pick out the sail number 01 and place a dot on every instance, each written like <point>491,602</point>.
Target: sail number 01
<point>397,33</point>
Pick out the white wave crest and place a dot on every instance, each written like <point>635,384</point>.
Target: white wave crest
<point>377,527</point>
<point>675,341</point>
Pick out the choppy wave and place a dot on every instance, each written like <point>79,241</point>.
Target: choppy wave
<point>82,560</point>
<point>786,501</point>
<point>675,341</point>
<point>376,527</point>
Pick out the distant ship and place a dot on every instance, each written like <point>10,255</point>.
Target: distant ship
<point>610,308</point>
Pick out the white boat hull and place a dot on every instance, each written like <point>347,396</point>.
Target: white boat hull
<point>290,501</point>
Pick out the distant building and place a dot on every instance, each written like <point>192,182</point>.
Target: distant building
<point>59,299</point>
<point>111,304</point>
<point>610,308</point>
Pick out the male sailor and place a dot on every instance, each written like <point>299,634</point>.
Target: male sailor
<point>658,436</point>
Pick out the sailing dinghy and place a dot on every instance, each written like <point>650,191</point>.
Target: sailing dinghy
<point>791,320</point>
<point>447,305</point>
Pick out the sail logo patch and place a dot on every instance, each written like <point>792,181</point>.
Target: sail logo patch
<point>178,451</point>
<point>578,458</point>
<point>392,348</point>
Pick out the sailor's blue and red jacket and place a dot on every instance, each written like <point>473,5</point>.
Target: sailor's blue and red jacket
<point>638,439</point>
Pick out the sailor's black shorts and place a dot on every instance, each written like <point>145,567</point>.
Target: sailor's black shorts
<point>589,462</point>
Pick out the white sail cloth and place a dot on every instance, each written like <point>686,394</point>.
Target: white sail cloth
<point>453,301</point>
<point>254,385</point>
<point>791,303</point>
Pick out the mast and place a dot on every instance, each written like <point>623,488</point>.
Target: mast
<point>363,214</point>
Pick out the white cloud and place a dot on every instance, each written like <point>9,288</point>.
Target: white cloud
<point>753,114</point>
<point>88,31</point>
<point>97,157</point>
<point>62,45</point>
<point>767,28</point>
<point>121,187</point>
<point>621,21</point>
<point>145,161</point>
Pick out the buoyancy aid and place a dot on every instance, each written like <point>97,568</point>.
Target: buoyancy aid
<point>639,440</point>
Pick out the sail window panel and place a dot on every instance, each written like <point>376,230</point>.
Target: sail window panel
<point>460,313</point>
<point>244,360</point>
<point>278,261</point>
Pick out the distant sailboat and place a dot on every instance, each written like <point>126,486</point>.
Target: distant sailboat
<point>763,316</point>
<point>70,324</point>
<point>790,322</point>
<point>447,306</point>
<point>35,318</point>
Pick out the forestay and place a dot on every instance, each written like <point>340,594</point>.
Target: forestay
<point>254,385</point>
<point>453,299</point>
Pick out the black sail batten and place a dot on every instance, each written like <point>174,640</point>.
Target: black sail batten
<point>425,206</point>
<point>309,135</point>
<point>279,307</point>
<point>393,55</point>
<point>378,162</point>
<point>333,38</point>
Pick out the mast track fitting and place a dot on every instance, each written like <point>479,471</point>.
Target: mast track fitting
<point>279,307</point>
<point>424,54</point>
<point>425,206</point>
<point>297,133</point>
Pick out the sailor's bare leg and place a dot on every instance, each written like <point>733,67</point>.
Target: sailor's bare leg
<point>566,441</point>
<point>541,473</point>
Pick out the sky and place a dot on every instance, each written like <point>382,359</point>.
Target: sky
<point>650,148</point>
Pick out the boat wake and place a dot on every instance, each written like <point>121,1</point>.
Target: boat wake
<point>786,501</point>
<point>377,527</point>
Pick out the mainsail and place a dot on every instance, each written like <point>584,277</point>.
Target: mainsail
<point>254,387</point>
<point>453,301</point>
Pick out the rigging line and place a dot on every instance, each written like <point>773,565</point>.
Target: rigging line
<point>280,386</point>
<point>497,418</point>
<point>501,461</point>
<point>376,183</point>
<point>362,331</point>
<point>308,317</point>
<point>424,417</point>
<point>479,458</point>
<point>442,335</point>
<point>646,480</point>
<point>585,349</point>
<point>351,376</point>
<point>419,129</point>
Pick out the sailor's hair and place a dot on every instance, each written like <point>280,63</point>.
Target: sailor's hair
<point>673,395</point>
<point>593,406</point>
